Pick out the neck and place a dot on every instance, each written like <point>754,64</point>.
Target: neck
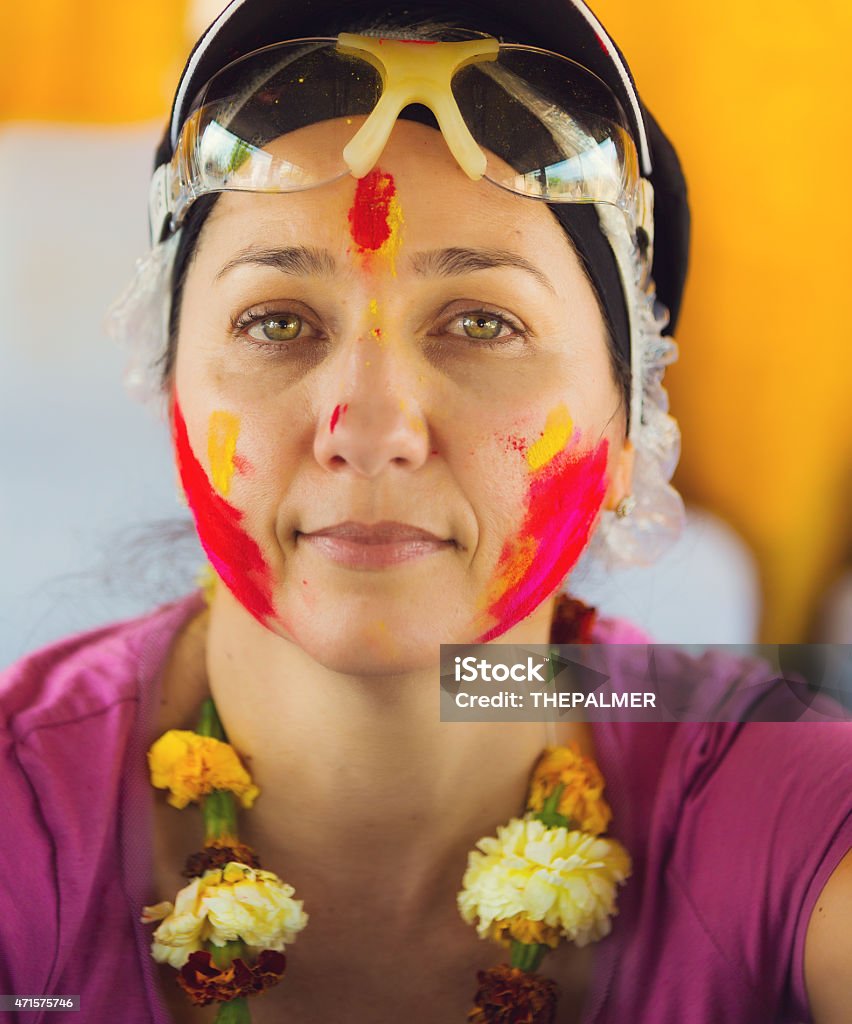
<point>364,756</point>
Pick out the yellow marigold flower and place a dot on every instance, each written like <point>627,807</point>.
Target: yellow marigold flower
<point>565,879</point>
<point>582,796</point>
<point>192,766</point>
<point>229,903</point>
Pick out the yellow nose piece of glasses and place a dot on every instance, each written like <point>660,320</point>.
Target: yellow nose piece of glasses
<point>415,71</point>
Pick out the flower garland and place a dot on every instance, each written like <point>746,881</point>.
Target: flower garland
<point>546,876</point>
<point>227,930</point>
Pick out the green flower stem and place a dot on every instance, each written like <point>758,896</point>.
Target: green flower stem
<point>549,814</point>
<point>209,723</point>
<point>223,956</point>
<point>219,810</point>
<point>235,1012</point>
<point>528,955</point>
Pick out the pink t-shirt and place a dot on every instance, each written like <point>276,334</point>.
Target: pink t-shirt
<point>733,830</point>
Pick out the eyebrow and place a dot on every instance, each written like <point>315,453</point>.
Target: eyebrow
<point>299,260</point>
<point>454,261</point>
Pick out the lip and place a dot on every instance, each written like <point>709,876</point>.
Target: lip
<point>374,545</point>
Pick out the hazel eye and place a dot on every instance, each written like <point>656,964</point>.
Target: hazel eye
<point>283,327</point>
<point>482,328</point>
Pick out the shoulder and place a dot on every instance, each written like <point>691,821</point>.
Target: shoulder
<point>828,946</point>
<point>85,674</point>
<point>67,715</point>
<point>764,818</point>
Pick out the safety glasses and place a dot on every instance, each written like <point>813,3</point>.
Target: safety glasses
<point>527,120</point>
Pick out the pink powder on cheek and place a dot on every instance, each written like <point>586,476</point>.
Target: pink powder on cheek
<point>562,503</point>
<point>233,553</point>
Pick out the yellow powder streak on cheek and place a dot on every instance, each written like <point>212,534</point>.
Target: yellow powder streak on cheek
<point>390,247</point>
<point>222,433</point>
<point>513,569</point>
<point>557,433</point>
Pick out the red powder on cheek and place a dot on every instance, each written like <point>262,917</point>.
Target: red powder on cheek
<point>562,504</point>
<point>369,218</point>
<point>234,555</point>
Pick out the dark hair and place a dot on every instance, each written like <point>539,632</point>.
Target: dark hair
<point>187,246</point>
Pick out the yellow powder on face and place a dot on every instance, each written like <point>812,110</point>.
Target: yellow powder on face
<point>373,324</point>
<point>390,247</point>
<point>207,580</point>
<point>379,638</point>
<point>557,434</point>
<point>222,432</point>
<point>414,422</point>
<point>513,568</point>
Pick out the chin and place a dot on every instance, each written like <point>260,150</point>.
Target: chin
<point>355,635</point>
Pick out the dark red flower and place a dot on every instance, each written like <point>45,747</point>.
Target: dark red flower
<point>508,995</point>
<point>572,621</point>
<point>206,983</point>
<point>217,854</point>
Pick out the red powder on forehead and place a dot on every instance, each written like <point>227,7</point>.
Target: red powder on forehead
<point>562,504</point>
<point>369,218</point>
<point>234,555</point>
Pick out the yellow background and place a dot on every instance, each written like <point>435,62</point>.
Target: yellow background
<point>756,96</point>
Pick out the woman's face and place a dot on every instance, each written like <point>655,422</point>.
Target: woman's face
<point>393,409</point>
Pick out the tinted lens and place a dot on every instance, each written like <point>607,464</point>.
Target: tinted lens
<point>225,144</point>
<point>550,128</point>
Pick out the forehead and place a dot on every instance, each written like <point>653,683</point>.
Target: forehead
<point>440,205</point>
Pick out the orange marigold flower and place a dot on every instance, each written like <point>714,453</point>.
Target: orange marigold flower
<point>206,983</point>
<point>508,995</point>
<point>582,799</point>
<point>192,766</point>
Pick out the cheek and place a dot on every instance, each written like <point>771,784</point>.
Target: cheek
<point>233,553</point>
<point>565,491</point>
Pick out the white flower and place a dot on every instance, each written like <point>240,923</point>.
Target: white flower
<point>181,932</point>
<point>225,904</point>
<point>565,879</point>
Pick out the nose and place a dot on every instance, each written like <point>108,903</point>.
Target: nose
<point>377,420</point>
